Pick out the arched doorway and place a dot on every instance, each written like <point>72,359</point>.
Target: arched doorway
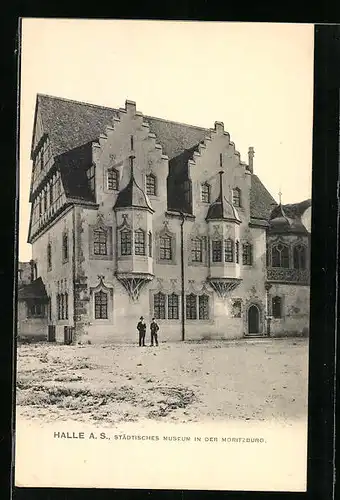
<point>253,320</point>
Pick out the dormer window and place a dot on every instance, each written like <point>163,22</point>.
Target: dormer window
<point>237,197</point>
<point>112,179</point>
<point>151,185</point>
<point>205,192</point>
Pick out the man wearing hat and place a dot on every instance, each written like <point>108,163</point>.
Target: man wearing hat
<point>154,332</point>
<point>141,327</point>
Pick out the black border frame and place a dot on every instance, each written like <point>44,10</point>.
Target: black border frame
<point>323,279</point>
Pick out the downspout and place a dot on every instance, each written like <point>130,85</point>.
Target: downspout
<point>182,277</point>
<point>74,269</point>
<point>268,317</point>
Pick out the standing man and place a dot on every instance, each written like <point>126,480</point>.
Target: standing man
<point>141,327</point>
<point>154,329</point>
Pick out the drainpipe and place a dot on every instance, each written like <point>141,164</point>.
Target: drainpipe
<point>182,277</point>
<point>74,268</point>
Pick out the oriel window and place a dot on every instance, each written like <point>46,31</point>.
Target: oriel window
<point>139,242</point>
<point>125,242</point>
<point>216,250</point>
<point>100,305</point>
<point>229,250</point>
<point>99,242</point>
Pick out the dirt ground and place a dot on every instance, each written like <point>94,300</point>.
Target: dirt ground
<point>181,382</point>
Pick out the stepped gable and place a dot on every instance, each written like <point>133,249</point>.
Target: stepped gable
<point>72,124</point>
<point>35,290</point>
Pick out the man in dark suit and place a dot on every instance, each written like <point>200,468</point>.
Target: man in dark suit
<point>141,327</point>
<point>154,332</point>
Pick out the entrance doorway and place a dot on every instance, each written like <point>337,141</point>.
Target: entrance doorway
<point>253,320</point>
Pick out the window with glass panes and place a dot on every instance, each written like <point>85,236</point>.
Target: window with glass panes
<point>99,242</point>
<point>49,256</point>
<point>299,257</point>
<point>65,246</point>
<point>205,192</point>
<point>151,185</point>
<point>173,306</point>
<point>276,307</point>
<point>125,242</point>
<point>280,255</point>
<point>139,242</point>
<point>100,305</point>
<point>247,254</point>
<point>229,250</point>
<point>216,246</point>
<point>191,306</point>
<point>165,250</point>
<point>112,179</point>
<point>237,252</point>
<point>196,249</point>
<point>159,306</point>
<point>203,306</point>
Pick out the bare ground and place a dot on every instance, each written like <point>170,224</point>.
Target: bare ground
<point>180,382</point>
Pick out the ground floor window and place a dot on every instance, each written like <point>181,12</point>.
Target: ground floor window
<point>203,307</point>
<point>100,305</point>
<point>277,307</point>
<point>62,305</point>
<point>36,309</point>
<point>159,306</point>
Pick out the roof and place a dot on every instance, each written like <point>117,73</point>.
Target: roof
<point>297,209</point>
<point>281,223</point>
<point>35,290</point>
<point>132,196</point>
<point>72,126</point>
<point>222,209</point>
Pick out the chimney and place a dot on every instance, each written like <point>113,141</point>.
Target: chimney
<point>251,154</point>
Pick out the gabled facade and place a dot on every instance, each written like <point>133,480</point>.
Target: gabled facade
<point>131,214</point>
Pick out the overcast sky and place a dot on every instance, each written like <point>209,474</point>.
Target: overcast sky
<point>256,78</point>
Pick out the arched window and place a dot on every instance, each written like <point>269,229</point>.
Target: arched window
<point>125,242</point>
<point>299,257</point>
<point>191,306</point>
<point>49,256</point>
<point>216,246</point>
<point>173,306</point>
<point>196,249</point>
<point>229,250</point>
<point>159,306</point>
<point>277,307</point>
<point>100,305</point>
<point>112,179</point>
<point>151,185</point>
<point>139,242</point>
<point>99,242</point>
<point>280,255</point>
<point>165,248</point>
<point>205,192</point>
<point>203,307</point>
<point>237,197</point>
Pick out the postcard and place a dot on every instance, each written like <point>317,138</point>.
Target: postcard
<point>164,254</point>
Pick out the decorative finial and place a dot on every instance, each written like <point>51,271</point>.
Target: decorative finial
<point>251,154</point>
<point>221,172</point>
<point>280,196</point>
<point>132,157</point>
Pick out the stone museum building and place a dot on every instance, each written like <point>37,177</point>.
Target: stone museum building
<point>134,216</point>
